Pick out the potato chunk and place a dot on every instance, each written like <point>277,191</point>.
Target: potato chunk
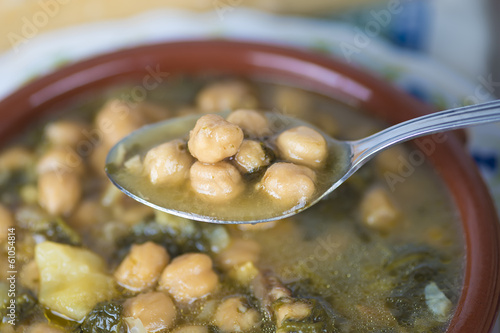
<point>189,277</point>
<point>59,193</point>
<point>142,267</point>
<point>239,252</point>
<point>251,122</point>
<point>72,280</point>
<point>216,182</point>
<point>251,156</point>
<point>233,315</point>
<point>437,302</point>
<point>168,163</point>
<point>303,145</point>
<point>213,139</point>
<point>155,310</point>
<point>378,211</point>
<point>291,184</point>
<point>226,95</point>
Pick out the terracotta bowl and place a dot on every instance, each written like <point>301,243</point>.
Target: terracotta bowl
<point>479,300</point>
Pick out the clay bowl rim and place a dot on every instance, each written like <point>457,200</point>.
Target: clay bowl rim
<point>479,301</point>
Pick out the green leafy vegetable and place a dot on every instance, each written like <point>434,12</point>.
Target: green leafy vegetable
<point>413,267</point>
<point>106,317</point>
<point>188,236</point>
<point>26,307</point>
<point>39,223</point>
<point>11,183</point>
<point>57,230</point>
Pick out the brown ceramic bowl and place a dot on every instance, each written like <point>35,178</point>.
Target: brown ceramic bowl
<point>481,291</point>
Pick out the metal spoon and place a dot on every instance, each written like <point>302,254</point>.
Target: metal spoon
<point>349,155</point>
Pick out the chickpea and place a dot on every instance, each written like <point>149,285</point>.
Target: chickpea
<point>191,329</point>
<point>43,328</point>
<point>168,163</point>
<point>213,139</point>
<point>239,252</point>
<point>65,133</point>
<point>228,95</point>
<point>302,145</point>
<point>389,160</point>
<point>6,221</point>
<point>217,182</point>
<point>189,277</point>
<point>251,156</point>
<point>87,214</point>
<point>59,193</point>
<point>142,267</point>
<point>378,211</point>
<point>291,184</point>
<point>116,120</point>
<point>233,315</point>
<point>251,122</point>
<point>16,158</point>
<point>155,310</point>
<point>293,101</point>
<point>60,160</point>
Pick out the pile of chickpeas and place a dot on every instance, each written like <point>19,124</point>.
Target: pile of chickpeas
<point>186,278</point>
<point>221,152</point>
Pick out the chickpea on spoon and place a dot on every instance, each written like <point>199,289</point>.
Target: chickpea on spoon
<point>251,167</point>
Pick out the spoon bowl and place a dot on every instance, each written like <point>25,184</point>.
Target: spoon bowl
<point>240,211</point>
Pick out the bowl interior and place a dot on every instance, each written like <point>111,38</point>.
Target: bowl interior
<point>149,64</point>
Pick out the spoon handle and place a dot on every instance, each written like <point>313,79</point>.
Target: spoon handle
<point>441,121</point>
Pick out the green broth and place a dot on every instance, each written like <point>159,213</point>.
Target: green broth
<point>358,279</point>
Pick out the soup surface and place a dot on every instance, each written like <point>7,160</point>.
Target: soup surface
<point>383,253</point>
